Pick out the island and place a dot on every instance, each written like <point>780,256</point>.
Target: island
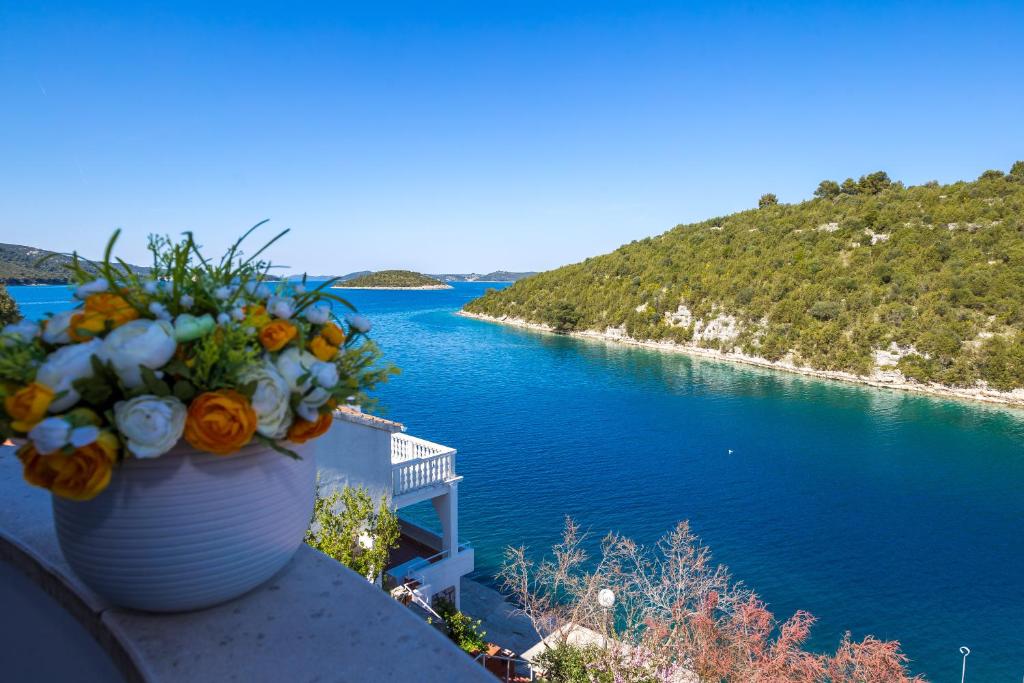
<point>393,279</point>
<point>873,281</point>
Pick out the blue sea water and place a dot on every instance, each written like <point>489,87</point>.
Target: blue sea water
<point>877,511</point>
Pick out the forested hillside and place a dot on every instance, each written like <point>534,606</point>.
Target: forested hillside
<point>392,279</point>
<point>867,275</point>
<point>27,265</point>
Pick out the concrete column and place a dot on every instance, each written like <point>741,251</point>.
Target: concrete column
<point>447,508</point>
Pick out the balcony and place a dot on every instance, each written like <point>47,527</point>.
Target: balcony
<point>419,468</point>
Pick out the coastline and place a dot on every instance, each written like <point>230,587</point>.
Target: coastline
<point>1012,399</point>
<point>394,289</point>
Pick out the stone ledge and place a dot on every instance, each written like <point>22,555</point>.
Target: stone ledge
<point>314,621</point>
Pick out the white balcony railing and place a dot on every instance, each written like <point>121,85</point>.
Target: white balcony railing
<point>417,464</point>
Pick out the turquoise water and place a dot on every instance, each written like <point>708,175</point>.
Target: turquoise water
<point>877,511</point>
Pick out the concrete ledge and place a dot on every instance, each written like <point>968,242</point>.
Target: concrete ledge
<point>315,621</point>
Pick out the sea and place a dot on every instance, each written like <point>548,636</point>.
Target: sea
<point>878,511</point>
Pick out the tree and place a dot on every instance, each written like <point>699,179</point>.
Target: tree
<point>346,527</point>
<point>850,186</point>
<point>9,312</point>
<point>563,317</point>
<point>668,613</point>
<point>1017,171</point>
<point>991,174</point>
<point>827,189</point>
<point>766,200</point>
<point>873,183</point>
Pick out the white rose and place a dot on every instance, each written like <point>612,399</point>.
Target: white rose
<point>324,374</point>
<point>186,301</point>
<point>94,287</point>
<point>150,425</point>
<point>55,331</point>
<point>64,367</point>
<point>281,307</point>
<point>223,292</point>
<point>23,330</point>
<point>294,363</point>
<point>50,435</point>
<point>271,400</point>
<point>159,310</point>
<point>358,322</point>
<point>147,343</point>
<point>84,435</point>
<point>318,313</point>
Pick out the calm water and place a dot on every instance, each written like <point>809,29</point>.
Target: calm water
<point>877,511</point>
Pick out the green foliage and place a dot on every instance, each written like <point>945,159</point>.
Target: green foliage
<point>562,316</point>
<point>827,189</point>
<point>1017,171</point>
<point>9,312</point>
<point>461,628</point>
<point>939,268</point>
<point>394,278</point>
<point>767,200</point>
<point>566,663</point>
<point>340,518</point>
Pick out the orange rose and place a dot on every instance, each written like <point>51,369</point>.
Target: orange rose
<point>80,475</point>
<point>220,422</point>
<point>334,335</point>
<point>28,405</point>
<point>102,311</point>
<point>276,334</point>
<point>302,431</point>
<point>322,349</point>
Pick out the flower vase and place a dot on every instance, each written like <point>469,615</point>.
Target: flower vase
<point>189,529</point>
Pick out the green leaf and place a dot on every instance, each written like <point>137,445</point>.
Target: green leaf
<point>184,391</point>
<point>154,384</point>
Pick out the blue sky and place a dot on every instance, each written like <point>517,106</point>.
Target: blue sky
<point>448,137</point>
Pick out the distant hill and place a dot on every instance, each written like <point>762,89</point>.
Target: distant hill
<point>496,276</point>
<point>394,279</point>
<point>887,283</point>
<point>18,266</point>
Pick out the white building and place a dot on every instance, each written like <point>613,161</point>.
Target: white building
<point>377,454</point>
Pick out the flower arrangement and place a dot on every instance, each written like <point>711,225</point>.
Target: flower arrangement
<point>212,352</point>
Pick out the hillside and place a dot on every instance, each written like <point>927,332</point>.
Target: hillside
<point>19,265</point>
<point>889,283</point>
<point>393,279</point>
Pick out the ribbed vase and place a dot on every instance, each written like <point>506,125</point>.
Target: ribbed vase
<point>189,530</point>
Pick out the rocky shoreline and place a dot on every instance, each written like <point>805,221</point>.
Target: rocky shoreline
<point>881,379</point>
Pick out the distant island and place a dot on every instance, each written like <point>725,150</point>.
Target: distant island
<point>393,279</point>
<point>918,288</point>
<point>495,276</point>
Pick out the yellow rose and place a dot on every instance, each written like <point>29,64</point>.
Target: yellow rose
<point>112,307</point>
<point>220,422</point>
<point>276,334</point>
<point>322,349</point>
<point>302,431</point>
<point>334,335</point>
<point>84,325</point>
<point>256,316</point>
<point>28,405</point>
<point>80,475</point>
<point>102,311</point>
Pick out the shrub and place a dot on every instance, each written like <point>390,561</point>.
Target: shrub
<point>342,523</point>
<point>461,628</point>
<point>766,200</point>
<point>9,312</point>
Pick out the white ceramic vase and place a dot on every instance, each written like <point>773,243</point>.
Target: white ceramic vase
<point>189,529</point>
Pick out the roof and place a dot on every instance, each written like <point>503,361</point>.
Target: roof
<point>357,416</point>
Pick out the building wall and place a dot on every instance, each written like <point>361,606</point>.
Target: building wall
<point>354,454</point>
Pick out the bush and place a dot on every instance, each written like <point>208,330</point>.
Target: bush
<point>9,312</point>
<point>341,523</point>
<point>766,200</point>
<point>461,628</point>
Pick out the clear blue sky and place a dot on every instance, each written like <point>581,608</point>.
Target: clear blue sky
<point>478,135</point>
